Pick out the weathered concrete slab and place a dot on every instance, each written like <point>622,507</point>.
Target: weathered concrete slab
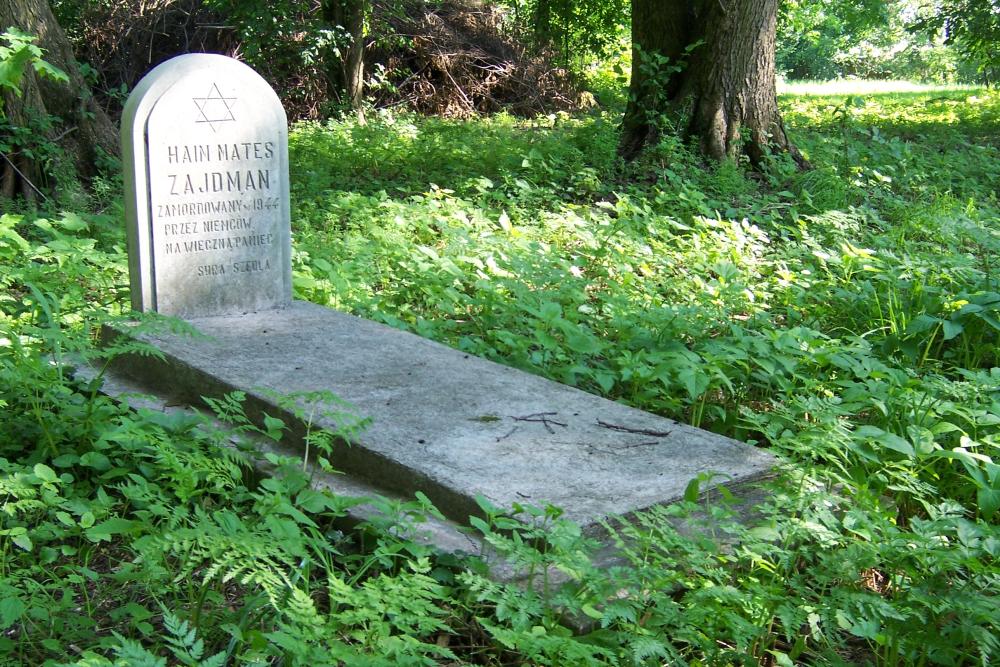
<point>446,535</point>
<point>445,423</point>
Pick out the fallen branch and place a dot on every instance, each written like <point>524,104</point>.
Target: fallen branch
<point>640,431</point>
<point>507,434</point>
<point>541,418</point>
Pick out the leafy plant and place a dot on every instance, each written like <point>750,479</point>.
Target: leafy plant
<point>844,318</point>
<point>19,53</point>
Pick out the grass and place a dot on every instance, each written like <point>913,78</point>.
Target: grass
<point>866,87</point>
<point>847,318</point>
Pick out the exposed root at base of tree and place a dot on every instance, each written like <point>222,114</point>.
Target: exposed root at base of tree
<point>15,178</point>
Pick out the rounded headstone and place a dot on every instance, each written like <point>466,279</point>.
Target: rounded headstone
<point>205,153</point>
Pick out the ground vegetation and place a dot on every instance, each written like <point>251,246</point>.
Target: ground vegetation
<point>846,318</point>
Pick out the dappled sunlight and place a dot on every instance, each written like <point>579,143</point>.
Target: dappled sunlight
<point>408,153</point>
<point>815,277</point>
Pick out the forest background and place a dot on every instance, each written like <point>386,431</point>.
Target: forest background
<point>458,171</point>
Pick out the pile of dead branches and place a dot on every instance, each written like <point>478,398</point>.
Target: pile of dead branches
<point>458,61</point>
<point>453,58</point>
<point>121,40</point>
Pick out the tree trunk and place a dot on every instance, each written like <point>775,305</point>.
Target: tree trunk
<point>85,130</point>
<point>350,15</point>
<point>725,86</point>
<point>660,32</point>
<point>542,22</point>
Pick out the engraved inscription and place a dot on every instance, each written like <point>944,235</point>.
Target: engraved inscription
<point>219,243</point>
<point>194,227</point>
<point>211,270</point>
<point>219,181</point>
<point>244,150</point>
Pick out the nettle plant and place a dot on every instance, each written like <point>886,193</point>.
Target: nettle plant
<point>846,317</point>
<point>141,536</point>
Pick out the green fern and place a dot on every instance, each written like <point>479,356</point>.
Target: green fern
<point>226,548</point>
<point>184,643</point>
<point>130,653</point>
<point>644,648</point>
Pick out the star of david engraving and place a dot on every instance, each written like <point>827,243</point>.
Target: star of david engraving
<point>214,108</point>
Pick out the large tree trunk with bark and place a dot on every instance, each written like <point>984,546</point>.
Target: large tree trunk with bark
<point>85,129</point>
<point>724,86</point>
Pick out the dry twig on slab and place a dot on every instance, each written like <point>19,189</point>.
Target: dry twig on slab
<point>627,429</point>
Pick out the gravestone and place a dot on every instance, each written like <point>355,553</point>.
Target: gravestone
<point>205,152</point>
<point>205,147</point>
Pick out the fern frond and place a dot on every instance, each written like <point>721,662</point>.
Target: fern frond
<point>182,639</point>
<point>131,653</point>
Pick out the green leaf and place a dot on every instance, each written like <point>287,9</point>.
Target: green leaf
<point>66,461</point>
<point>765,533</point>
<point>72,222</point>
<point>583,342</point>
<point>885,439</point>
<point>865,628</point>
<point>45,473</point>
<point>988,501</point>
<point>990,319</point>
<point>781,659</point>
<point>106,529</point>
<point>693,490</point>
<point>50,71</point>
<point>96,460</point>
<point>922,323</point>
<point>274,427</point>
<point>22,540</point>
<point>12,68</point>
<point>11,609</point>
<point>606,380</point>
<point>480,525</point>
<point>485,505</point>
<point>217,660</point>
<point>951,329</point>
<point>314,501</point>
<point>695,383</point>
<point>549,311</point>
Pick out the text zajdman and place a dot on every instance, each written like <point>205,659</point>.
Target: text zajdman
<point>230,180</point>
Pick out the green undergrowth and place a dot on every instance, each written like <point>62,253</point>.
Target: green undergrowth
<point>846,318</point>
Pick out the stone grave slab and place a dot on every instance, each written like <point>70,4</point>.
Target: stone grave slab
<point>448,424</point>
<point>205,149</point>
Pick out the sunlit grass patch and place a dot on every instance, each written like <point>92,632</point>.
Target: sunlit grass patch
<point>866,87</point>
